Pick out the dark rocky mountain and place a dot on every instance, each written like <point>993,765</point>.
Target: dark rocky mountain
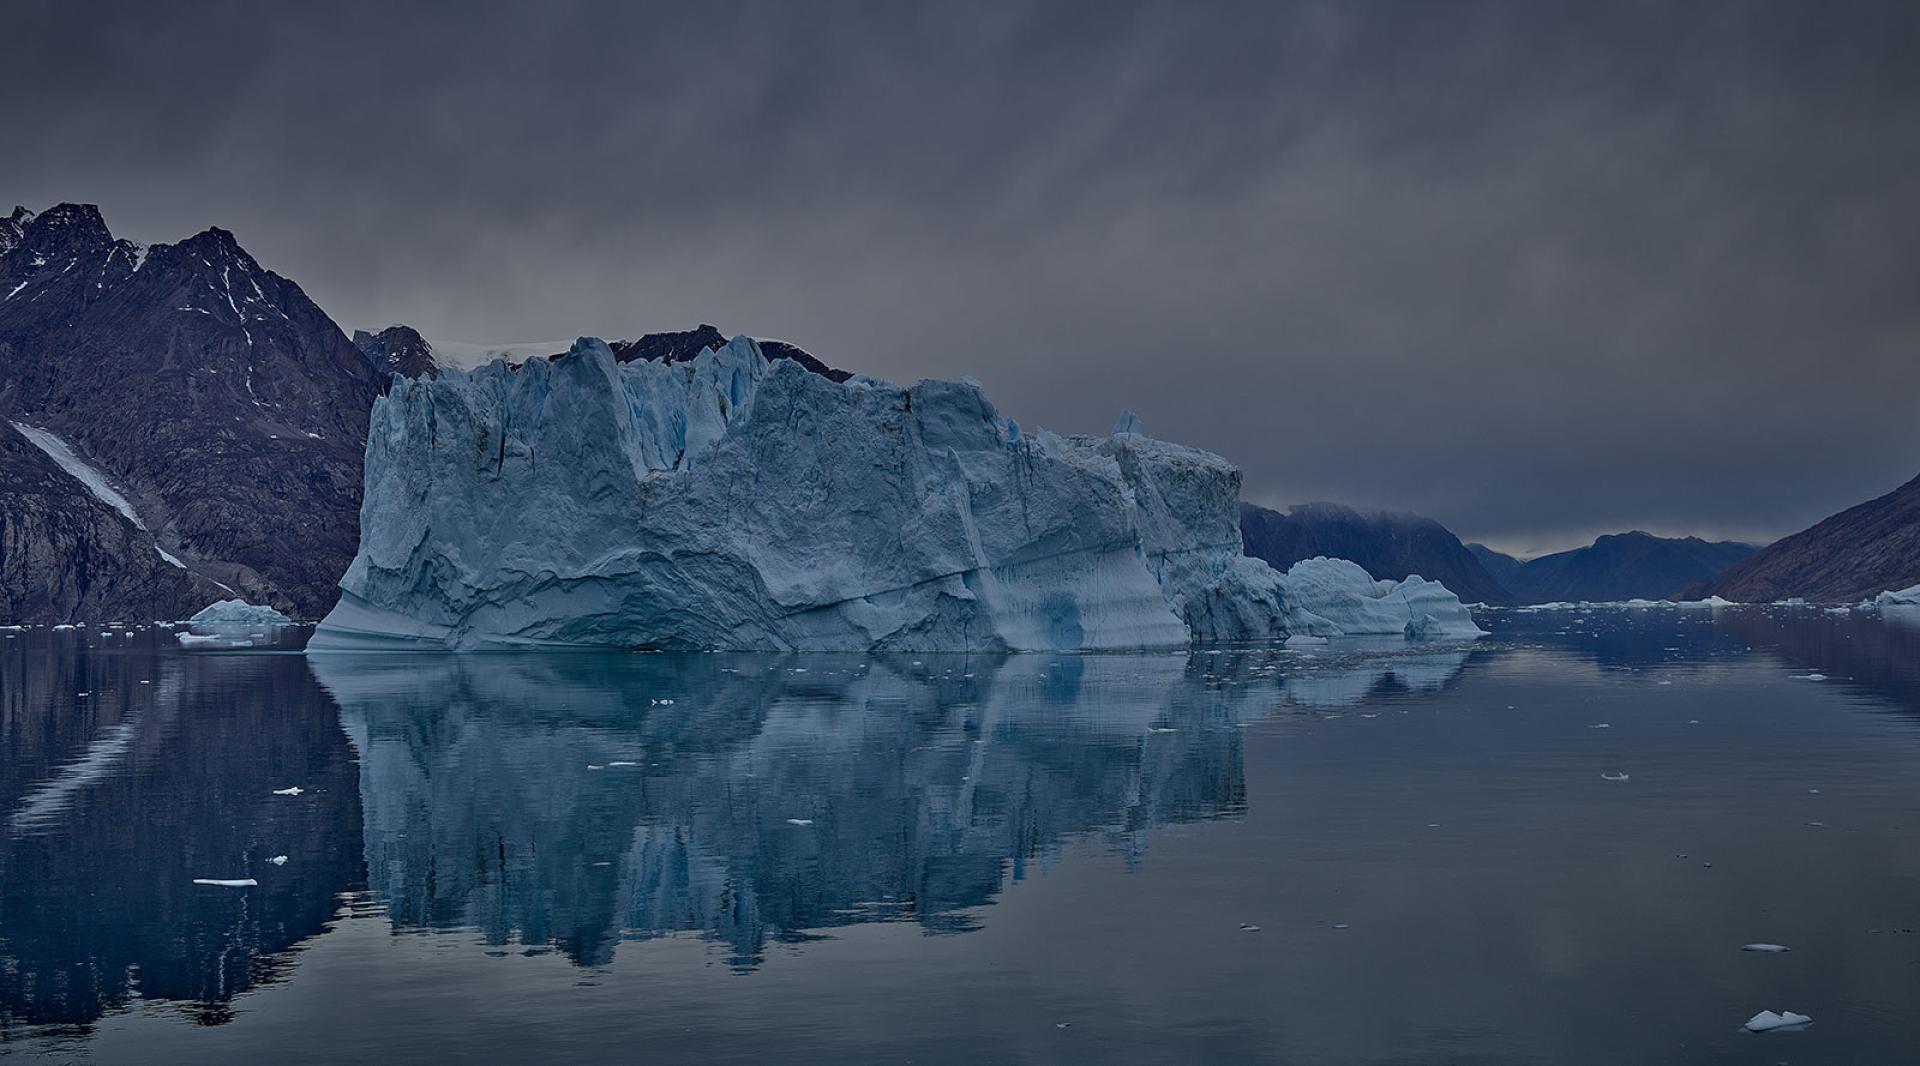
<point>1388,546</point>
<point>684,345</point>
<point>1502,566</point>
<point>397,351</point>
<point>67,555</point>
<point>1618,566</point>
<point>213,394</point>
<point>1852,556</point>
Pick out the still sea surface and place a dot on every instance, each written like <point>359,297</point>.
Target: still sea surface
<point>1547,846</point>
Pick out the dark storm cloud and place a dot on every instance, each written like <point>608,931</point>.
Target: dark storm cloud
<point>1537,270</point>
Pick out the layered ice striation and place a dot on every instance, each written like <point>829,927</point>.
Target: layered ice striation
<point>735,504</point>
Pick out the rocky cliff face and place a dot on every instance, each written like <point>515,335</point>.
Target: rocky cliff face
<point>1388,546</point>
<point>397,351</point>
<point>227,408</point>
<point>65,554</point>
<point>1852,556</point>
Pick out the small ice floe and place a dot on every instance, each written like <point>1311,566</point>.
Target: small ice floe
<point>64,626</point>
<point>1601,725</point>
<point>800,821</point>
<point>1063,1025</point>
<point>226,882</point>
<point>623,762</point>
<point>1767,949</point>
<point>1249,927</point>
<point>1769,1022</point>
<point>1613,777</point>
<point>202,640</point>
<point>1693,721</point>
<point>1809,677</point>
<point>292,790</point>
<point>1341,925</point>
<point>1817,825</point>
<point>659,703</point>
<point>278,860</point>
<point>1663,682</point>
<point>595,766</point>
<point>1161,729</point>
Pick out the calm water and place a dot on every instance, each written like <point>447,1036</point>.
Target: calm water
<point>612,858</point>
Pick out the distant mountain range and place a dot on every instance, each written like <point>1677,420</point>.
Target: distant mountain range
<point>402,351</point>
<point>1387,545</point>
<point>1852,556</point>
<point>1618,566</point>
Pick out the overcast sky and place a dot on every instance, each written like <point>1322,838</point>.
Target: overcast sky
<point>1539,271</point>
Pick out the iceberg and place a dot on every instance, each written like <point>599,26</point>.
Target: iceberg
<point>1337,598</point>
<point>238,613</point>
<point>733,503</point>
<point>1907,597</point>
<point>1783,1021</point>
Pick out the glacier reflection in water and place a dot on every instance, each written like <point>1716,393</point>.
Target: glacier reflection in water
<point>581,800</point>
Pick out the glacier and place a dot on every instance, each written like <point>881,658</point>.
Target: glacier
<point>733,503</point>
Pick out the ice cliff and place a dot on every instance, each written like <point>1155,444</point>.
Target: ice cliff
<point>732,503</point>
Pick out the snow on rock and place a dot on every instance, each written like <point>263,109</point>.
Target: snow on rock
<point>92,478</point>
<point>732,503</point>
<point>238,613</point>
<point>1337,598</point>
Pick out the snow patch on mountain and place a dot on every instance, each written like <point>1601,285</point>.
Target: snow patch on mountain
<point>90,476</point>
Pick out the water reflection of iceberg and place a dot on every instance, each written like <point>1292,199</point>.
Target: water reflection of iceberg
<point>563,800</point>
<point>1343,683</point>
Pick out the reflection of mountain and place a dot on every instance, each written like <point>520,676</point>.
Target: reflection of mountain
<point>1878,652</point>
<point>550,800</point>
<point>117,799</point>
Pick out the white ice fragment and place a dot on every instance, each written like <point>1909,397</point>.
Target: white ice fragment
<point>1809,677</point>
<point>800,821</point>
<point>226,882</point>
<point>622,762</point>
<point>1772,949</point>
<point>294,790</point>
<point>1613,777</point>
<point>1767,1021</point>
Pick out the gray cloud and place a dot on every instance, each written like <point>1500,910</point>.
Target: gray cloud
<point>1537,270</point>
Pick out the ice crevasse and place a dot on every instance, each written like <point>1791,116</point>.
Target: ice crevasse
<point>732,503</point>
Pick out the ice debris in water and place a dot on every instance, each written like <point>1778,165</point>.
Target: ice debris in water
<point>293,790</point>
<point>800,821</point>
<point>238,613</point>
<point>226,882</point>
<point>278,860</point>
<point>1249,927</point>
<point>1809,677</point>
<point>1613,777</point>
<point>1772,949</point>
<point>1767,1021</point>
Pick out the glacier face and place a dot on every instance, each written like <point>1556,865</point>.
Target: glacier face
<point>732,503</point>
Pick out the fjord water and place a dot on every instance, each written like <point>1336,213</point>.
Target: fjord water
<point>1346,854</point>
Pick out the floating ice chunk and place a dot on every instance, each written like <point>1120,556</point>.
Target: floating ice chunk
<point>623,762</point>
<point>293,790</point>
<point>1907,597</point>
<point>1663,682</point>
<point>1768,1022</point>
<point>1337,598</point>
<point>238,613</point>
<point>1613,777</point>
<point>1600,725</point>
<point>1711,602</point>
<point>278,860</point>
<point>800,821</point>
<point>1771,949</point>
<point>226,882</point>
<point>1809,677</point>
<point>208,640</point>
<point>64,626</point>
<point>1249,927</point>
